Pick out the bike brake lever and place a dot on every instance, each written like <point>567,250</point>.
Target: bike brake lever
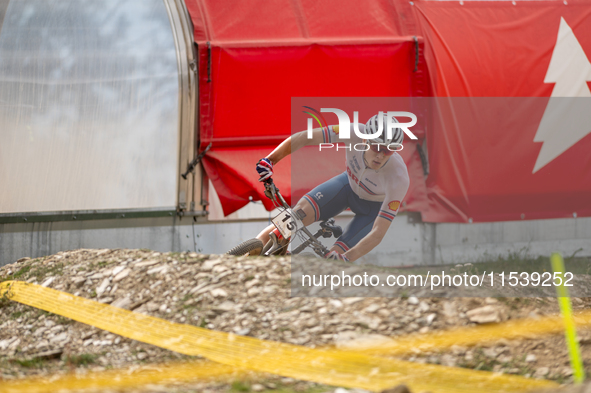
<point>270,189</point>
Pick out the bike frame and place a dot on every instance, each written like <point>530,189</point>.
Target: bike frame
<point>272,192</point>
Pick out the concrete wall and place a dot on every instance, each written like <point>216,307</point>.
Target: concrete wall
<point>467,242</point>
<point>408,242</point>
<point>160,234</point>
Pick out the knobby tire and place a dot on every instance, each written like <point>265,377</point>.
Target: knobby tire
<point>247,247</point>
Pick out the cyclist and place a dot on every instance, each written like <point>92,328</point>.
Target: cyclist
<point>373,185</point>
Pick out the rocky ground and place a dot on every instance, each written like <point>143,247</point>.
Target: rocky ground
<point>247,296</point>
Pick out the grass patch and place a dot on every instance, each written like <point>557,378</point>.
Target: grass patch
<point>521,261</point>
<point>84,359</point>
<point>481,362</point>
<point>5,299</point>
<point>29,363</point>
<point>515,261</point>
<point>63,320</point>
<point>40,272</point>
<point>22,271</point>
<point>240,386</point>
<point>20,274</point>
<point>191,308</point>
<point>43,312</point>
<point>561,379</point>
<point>60,320</point>
<point>97,265</point>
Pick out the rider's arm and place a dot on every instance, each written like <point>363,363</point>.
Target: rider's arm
<point>371,240</point>
<point>397,187</point>
<point>295,142</point>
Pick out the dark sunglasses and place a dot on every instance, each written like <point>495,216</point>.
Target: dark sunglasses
<point>379,148</point>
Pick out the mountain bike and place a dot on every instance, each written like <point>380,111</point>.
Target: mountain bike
<point>288,226</point>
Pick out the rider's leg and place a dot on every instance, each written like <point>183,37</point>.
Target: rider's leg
<point>365,215</point>
<point>305,212</point>
<point>323,202</point>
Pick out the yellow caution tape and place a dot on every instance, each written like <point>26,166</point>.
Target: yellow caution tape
<point>121,379</point>
<point>515,329</point>
<point>332,367</point>
<point>477,335</point>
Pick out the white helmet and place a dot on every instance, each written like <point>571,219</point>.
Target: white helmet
<point>379,123</point>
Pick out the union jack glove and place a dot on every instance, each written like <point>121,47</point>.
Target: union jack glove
<point>336,256</point>
<point>265,169</point>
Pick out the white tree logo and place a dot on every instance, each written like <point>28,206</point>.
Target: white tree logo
<point>567,118</point>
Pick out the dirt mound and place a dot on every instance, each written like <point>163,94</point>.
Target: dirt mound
<point>246,296</point>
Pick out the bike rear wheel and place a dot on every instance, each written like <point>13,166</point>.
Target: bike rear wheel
<point>250,247</point>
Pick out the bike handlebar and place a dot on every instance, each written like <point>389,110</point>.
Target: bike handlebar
<point>271,192</point>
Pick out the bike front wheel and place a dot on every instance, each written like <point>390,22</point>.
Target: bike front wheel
<point>250,247</point>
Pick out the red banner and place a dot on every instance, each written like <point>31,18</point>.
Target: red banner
<point>521,154</point>
<point>508,158</point>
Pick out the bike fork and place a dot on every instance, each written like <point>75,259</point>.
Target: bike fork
<point>278,242</point>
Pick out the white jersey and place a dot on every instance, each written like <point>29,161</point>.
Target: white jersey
<point>388,184</point>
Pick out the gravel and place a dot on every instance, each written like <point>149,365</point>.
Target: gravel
<point>247,296</point>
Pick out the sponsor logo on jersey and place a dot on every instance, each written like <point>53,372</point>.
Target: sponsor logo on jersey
<point>352,175</point>
<point>394,205</point>
<point>370,182</point>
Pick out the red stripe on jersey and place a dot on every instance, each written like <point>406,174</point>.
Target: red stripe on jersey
<point>314,206</point>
